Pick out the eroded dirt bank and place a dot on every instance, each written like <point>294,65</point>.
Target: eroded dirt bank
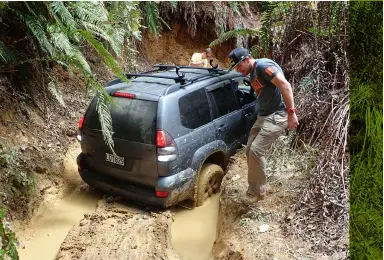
<point>258,231</point>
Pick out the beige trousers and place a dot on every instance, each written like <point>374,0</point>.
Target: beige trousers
<point>263,133</point>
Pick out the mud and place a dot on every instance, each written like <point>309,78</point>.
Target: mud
<point>118,231</point>
<point>43,239</point>
<point>194,231</point>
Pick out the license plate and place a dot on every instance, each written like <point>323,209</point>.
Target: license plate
<point>114,159</point>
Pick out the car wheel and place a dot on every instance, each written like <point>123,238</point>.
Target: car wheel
<point>209,182</point>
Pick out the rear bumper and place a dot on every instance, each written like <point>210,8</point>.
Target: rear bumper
<point>179,186</point>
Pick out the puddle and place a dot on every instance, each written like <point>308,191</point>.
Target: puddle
<point>194,231</point>
<point>43,239</point>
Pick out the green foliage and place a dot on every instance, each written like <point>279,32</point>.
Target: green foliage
<point>61,28</point>
<point>234,5</point>
<point>234,33</point>
<point>173,4</point>
<point>152,18</point>
<point>366,130</point>
<point>5,54</point>
<point>273,16</point>
<point>8,240</point>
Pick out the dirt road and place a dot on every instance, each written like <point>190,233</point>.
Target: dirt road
<point>122,230</point>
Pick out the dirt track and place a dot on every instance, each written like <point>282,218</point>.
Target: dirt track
<point>121,230</point>
<point>117,232</point>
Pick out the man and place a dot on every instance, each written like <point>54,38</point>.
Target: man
<point>276,113</point>
<point>201,59</point>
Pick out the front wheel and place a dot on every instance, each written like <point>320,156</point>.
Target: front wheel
<point>209,182</point>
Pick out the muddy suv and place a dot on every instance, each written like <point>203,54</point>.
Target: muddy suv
<point>174,130</point>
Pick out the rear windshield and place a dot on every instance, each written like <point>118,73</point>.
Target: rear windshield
<point>132,119</point>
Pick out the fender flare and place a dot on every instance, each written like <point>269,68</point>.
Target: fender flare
<point>205,151</point>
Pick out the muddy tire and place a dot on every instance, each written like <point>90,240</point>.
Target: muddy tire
<point>209,182</point>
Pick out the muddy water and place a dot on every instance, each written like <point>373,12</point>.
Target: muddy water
<point>42,241</point>
<point>194,231</point>
<point>43,236</point>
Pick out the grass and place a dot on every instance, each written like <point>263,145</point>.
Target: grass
<point>366,225</point>
<point>366,130</point>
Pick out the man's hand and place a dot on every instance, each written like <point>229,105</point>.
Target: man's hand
<point>292,121</point>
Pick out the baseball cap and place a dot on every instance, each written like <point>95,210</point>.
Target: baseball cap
<point>238,55</point>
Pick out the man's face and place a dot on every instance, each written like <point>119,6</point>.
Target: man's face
<point>243,67</point>
<point>208,54</point>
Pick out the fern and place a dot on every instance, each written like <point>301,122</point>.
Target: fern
<point>153,19</point>
<point>60,27</point>
<point>5,54</point>
<point>234,33</point>
<point>63,13</point>
<point>103,105</point>
<point>173,4</point>
<point>234,6</point>
<point>108,59</point>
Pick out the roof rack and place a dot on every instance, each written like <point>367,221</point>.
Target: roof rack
<point>163,67</point>
<point>180,78</point>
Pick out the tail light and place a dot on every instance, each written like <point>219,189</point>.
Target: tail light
<point>161,194</point>
<point>124,95</point>
<point>166,147</point>
<point>81,122</point>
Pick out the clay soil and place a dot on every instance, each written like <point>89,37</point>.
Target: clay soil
<point>120,231</point>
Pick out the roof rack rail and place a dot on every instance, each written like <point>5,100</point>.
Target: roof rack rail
<point>178,79</point>
<point>164,67</point>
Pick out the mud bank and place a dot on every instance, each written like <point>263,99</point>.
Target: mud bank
<point>248,232</point>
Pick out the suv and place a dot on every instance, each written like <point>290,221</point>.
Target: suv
<point>175,129</point>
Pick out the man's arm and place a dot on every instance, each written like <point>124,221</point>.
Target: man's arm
<point>286,91</point>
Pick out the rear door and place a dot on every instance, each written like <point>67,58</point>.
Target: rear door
<point>227,114</point>
<point>134,133</point>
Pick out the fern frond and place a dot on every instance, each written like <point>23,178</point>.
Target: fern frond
<point>173,4</point>
<point>234,6</point>
<point>107,57</point>
<point>234,33</point>
<point>54,89</point>
<point>37,29</point>
<point>63,13</point>
<point>107,33</point>
<point>61,42</point>
<point>90,11</point>
<point>5,54</point>
<point>105,118</point>
<point>151,12</point>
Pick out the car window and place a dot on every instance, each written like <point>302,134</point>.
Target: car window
<point>223,100</point>
<point>194,109</point>
<point>245,94</point>
<point>132,119</point>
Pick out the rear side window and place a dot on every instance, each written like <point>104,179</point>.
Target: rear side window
<point>194,109</point>
<point>223,101</point>
<point>132,119</point>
